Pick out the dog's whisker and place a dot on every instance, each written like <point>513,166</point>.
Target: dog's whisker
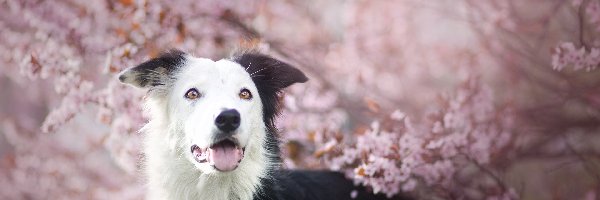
<point>258,71</point>
<point>250,64</point>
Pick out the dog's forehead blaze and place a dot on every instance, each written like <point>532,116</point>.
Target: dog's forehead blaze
<point>217,76</point>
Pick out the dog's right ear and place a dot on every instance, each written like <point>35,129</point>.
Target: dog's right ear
<point>154,72</point>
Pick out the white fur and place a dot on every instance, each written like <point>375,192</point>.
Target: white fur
<point>177,123</point>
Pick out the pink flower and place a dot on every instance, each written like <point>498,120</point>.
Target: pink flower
<point>567,55</point>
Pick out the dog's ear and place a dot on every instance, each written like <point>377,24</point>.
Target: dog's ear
<point>154,72</point>
<point>270,76</point>
<point>268,71</point>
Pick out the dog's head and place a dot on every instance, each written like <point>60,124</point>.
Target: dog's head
<point>218,108</point>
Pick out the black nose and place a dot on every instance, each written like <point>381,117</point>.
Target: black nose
<point>228,120</point>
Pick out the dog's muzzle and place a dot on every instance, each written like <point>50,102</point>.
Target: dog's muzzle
<point>225,153</point>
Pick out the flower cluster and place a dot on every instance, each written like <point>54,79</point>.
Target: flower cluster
<point>395,154</point>
<point>587,55</point>
<point>567,55</point>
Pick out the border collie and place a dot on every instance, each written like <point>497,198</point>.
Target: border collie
<point>211,133</point>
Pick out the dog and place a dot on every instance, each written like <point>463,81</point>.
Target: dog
<point>211,133</point>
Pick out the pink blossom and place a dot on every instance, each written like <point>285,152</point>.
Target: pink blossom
<point>567,55</point>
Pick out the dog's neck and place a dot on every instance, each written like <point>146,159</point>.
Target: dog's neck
<point>172,176</point>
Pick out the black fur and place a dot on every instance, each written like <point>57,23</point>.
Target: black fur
<point>271,76</point>
<point>157,71</point>
<point>312,185</point>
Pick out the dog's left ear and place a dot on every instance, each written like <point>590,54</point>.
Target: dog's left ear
<point>268,71</point>
<point>155,72</point>
<point>270,76</point>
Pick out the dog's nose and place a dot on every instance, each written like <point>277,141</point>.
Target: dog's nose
<point>228,120</point>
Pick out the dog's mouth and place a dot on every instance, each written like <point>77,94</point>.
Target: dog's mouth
<point>224,155</point>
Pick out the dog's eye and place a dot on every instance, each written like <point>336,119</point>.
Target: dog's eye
<point>192,94</point>
<point>245,94</point>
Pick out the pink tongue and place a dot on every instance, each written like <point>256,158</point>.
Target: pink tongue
<point>225,157</point>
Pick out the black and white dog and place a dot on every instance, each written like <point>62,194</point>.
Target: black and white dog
<point>212,135</point>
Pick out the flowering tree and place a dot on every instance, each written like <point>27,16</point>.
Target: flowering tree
<point>439,99</point>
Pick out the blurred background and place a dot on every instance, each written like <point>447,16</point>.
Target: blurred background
<point>443,99</point>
